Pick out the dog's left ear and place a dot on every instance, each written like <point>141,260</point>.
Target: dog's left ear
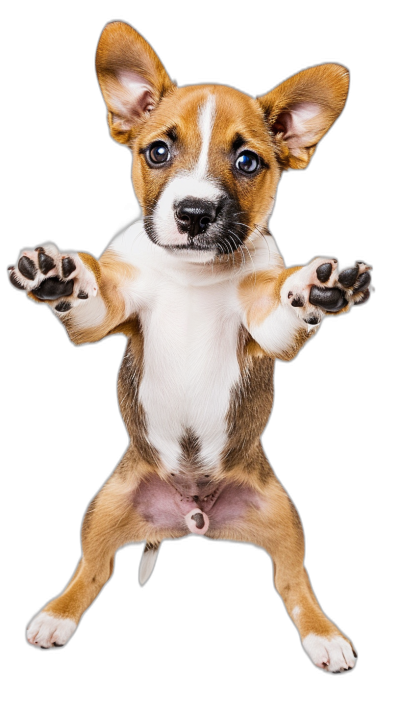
<point>302,109</point>
<point>131,77</point>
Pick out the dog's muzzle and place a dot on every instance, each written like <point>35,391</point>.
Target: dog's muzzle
<point>210,225</point>
<point>194,215</point>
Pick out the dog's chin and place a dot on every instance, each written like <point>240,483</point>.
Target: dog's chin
<point>202,247</point>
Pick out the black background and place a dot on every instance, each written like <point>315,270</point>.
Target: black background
<point>209,614</point>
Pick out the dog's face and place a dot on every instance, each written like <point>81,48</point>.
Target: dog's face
<point>207,159</point>
<point>205,169</point>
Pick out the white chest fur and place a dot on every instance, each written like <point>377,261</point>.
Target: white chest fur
<point>190,320</point>
<point>190,366</point>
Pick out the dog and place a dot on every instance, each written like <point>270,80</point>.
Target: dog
<point>202,294</point>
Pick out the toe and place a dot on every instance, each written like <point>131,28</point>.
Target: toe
<point>324,272</point>
<point>348,277</point>
<point>27,267</point>
<point>46,262</point>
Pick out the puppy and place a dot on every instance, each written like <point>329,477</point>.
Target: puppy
<point>201,291</point>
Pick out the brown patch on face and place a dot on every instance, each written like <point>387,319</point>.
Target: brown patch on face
<point>176,117</point>
<point>239,126</point>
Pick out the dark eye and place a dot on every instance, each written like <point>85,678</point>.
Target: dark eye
<point>158,153</point>
<point>248,162</point>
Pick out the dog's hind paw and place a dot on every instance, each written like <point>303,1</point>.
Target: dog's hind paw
<point>319,289</point>
<point>334,654</point>
<point>51,276</point>
<point>47,630</point>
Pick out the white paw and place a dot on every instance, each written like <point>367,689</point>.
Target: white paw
<point>47,631</point>
<point>334,654</point>
<point>54,276</point>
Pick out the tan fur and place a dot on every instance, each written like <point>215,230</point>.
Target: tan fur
<point>326,85</point>
<point>259,293</point>
<point>112,519</point>
<point>111,274</point>
<point>120,48</point>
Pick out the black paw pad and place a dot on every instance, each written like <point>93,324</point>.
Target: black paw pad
<point>313,320</point>
<point>364,297</point>
<point>198,518</point>
<point>53,288</point>
<point>298,301</point>
<point>324,272</point>
<point>330,299</point>
<point>63,306</point>
<point>44,648</point>
<point>57,645</point>
<point>46,263</point>
<point>348,277</point>
<point>27,267</point>
<point>362,282</point>
<point>68,267</point>
<point>82,295</point>
<point>13,280</point>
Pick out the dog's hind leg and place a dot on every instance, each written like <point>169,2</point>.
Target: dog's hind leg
<point>110,521</point>
<point>275,525</point>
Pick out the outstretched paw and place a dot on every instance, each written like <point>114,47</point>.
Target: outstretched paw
<point>55,277</point>
<point>319,289</point>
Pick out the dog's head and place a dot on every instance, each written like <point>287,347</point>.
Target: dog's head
<point>207,159</point>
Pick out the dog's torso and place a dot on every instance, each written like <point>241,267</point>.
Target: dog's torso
<point>194,391</point>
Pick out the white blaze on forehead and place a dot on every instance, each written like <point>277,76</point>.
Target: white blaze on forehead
<point>183,185</point>
<point>206,122</point>
<point>194,183</point>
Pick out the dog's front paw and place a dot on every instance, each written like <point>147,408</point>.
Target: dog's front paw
<point>334,654</point>
<point>52,276</point>
<point>46,630</point>
<point>319,289</point>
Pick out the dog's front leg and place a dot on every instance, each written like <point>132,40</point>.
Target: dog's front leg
<point>282,309</point>
<point>91,297</point>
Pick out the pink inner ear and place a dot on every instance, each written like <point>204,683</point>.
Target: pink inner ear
<point>299,125</point>
<point>133,96</point>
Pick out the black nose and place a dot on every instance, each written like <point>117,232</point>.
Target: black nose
<point>193,215</point>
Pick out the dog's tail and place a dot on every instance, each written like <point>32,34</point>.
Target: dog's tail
<point>148,561</point>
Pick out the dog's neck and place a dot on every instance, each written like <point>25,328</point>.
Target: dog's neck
<point>205,268</point>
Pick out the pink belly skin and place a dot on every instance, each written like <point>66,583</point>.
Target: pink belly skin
<point>159,503</point>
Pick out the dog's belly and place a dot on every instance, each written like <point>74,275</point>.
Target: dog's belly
<point>199,509</point>
<point>190,366</point>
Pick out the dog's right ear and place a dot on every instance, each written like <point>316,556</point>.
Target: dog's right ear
<point>131,77</point>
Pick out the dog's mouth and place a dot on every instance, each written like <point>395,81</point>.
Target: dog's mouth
<point>221,245</point>
<point>223,237</point>
<point>192,224</point>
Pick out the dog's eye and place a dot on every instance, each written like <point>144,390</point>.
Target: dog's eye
<point>158,153</point>
<point>248,162</point>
